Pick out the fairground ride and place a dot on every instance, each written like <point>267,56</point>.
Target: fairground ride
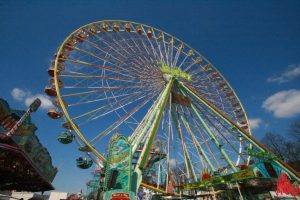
<point>171,121</point>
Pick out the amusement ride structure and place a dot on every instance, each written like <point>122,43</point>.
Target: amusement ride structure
<point>156,113</point>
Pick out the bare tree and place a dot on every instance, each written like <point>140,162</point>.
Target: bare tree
<point>276,143</point>
<point>295,131</point>
<point>285,149</point>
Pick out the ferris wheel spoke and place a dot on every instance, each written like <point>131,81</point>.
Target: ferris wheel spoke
<point>189,166</point>
<point>220,122</point>
<point>157,57</point>
<point>217,102</point>
<point>152,56</point>
<point>100,99</point>
<point>152,92</point>
<point>121,50</point>
<point>137,47</point>
<point>103,90</point>
<point>164,48</point>
<point>208,147</point>
<point>130,71</point>
<point>107,51</point>
<point>106,106</point>
<point>205,69</point>
<point>118,78</point>
<point>201,151</point>
<point>236,138</point>
<point>115,125</point>
<point>226,108</point>
<point>206,92</point>
<point>117,108</point>
<point>196,61</point>
<point>159,48</point>
<point>222,135</point>
<point>112,46</point>
<point>137,52</point>
<point>117,48</point>
<point>170,51</point>
<point>217,143</point>
<point>144,48</point>
<point>121,44</point>
<point>100,57</point>
<point>195,142</point>
<point>213,138</point>
<point>182,62</point>
<point>179,51</point>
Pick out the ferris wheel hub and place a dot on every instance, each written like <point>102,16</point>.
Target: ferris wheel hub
<point>167,77</point>
<point>175,72</point>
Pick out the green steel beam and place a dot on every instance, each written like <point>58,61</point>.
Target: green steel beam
<point>246,135</point>
<point>140,133</point>
<point>197,144</point>
<point>188,162</point>
<point>213,138</point>
<point>146,150</point>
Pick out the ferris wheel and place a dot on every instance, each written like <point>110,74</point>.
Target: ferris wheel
<point>128,78</point>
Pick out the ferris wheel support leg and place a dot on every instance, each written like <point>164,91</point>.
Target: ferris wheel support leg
<point>188,163</point>
<point>142,162</point>
<point>213,138</point>
<point>246,135</point>
<point>146,150</point>
<point>198,146</point>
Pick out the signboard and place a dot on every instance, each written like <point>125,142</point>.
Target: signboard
<point>120,196</point>
<point>118,170</point>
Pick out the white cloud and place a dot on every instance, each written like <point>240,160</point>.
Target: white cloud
<point>18,94</point>
<point>283,104</point>
<point>255,123</point>
<point>26,97</point>
<point>46,102</point>
<point>287,76</point>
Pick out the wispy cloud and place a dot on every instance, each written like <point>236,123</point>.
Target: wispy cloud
<point>292,72</point>
<point>18,94</point>
<point>283,104</point>
<point>27,97</point>
<point>255,123</point>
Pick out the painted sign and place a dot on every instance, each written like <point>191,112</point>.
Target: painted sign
<point>118,170</point>
<point>120,196</point>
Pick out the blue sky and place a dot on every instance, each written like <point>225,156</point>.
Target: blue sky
<point>255,44</point>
